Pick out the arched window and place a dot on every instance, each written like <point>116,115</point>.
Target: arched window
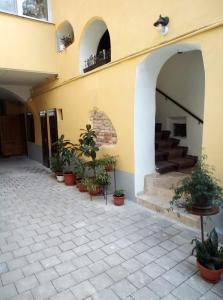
<point>95,49</point>
<point>64,36</point>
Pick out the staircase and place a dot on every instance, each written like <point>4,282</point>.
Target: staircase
<point>169,156</point>
<point>172,165</point>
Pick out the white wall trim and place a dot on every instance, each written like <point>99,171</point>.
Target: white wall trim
<point>145,105</point>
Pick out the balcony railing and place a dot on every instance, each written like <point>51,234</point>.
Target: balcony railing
<point>37,9</point>
<point>95,61</point>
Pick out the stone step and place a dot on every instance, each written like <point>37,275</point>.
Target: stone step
<point>166,181</point>
<point>161,205</point>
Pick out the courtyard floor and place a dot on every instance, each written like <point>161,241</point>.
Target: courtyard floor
<point>57,244</point>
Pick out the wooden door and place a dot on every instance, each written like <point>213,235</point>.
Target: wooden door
<point>13,135</point>
<point>45,144</point>
<point>53,129</point>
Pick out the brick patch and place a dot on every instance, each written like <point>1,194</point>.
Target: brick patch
<point>105,131</point>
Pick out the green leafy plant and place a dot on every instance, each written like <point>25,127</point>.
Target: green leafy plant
<point>102,177</point>
<point>200,187</point>
<point>119,193</point>
<point>64,151</point>
<point>56,164</point>
<point>79,168</point>
<point>107,160</point>
<point>87,144</point>
<point>208,253</point>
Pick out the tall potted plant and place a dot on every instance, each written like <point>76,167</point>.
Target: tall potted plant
<point>64,152</point>
<point>200,191</point>
<point>209,257</point>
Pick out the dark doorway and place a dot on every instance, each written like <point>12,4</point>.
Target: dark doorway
<point>12,135</point>
<point>45,144</point>
<point>53,129</point>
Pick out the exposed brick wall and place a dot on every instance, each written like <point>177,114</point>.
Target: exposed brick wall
<point>105,131</point>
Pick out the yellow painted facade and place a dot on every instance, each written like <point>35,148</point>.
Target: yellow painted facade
<point>111,88</point>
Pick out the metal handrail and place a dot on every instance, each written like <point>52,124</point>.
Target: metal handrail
<point>180,105</point>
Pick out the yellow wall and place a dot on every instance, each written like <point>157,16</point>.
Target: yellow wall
<point>112,89</point>
<point>27,44</point>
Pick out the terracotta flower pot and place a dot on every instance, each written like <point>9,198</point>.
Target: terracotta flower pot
<point>82,188</point>
<point>203,203</point>
<point>209,275</point>
<point>69,178</point>
<point>118,200</point>
<point>95,192</point>
<point>109,168</point>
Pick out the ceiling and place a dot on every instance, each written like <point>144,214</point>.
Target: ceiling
<point>24,78</point>
<point>17,84</point>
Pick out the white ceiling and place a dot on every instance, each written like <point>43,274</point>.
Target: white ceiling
<point>23,78</point>
<point>17,84</point>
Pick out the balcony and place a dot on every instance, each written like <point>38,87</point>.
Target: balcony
<point>95,61</point>
<point>37,9</point>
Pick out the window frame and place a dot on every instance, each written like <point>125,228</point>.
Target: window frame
<point>18,12</point>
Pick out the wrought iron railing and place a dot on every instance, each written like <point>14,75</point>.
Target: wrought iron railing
<point>95,61</point>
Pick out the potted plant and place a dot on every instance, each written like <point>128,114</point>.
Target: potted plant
<point>102,177</point>
<point>69,176</point>
<point>87,145</point>
<point>108,162</point>
<point>118,197</point>
<point>94,188</point>
<point>56,165</point>
<point>200,190</point>
<point>79,170</point>
<point>83,185</point>
<point>209,257</point>
<point>64,153</point>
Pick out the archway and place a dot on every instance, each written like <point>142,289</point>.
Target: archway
<point>12,124</point>
<point>95,48</point>
<point>145,108</point>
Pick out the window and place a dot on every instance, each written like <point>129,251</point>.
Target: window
<point>30,128</point>
<point>180,130</point>
<point>8,5</point>
<point>37,9</point>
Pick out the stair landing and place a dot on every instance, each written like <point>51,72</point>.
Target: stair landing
<point>158,192</point>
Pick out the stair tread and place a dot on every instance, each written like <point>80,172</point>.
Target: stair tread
<point>161,205</point>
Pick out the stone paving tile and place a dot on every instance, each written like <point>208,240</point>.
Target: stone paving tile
<point>123,288</point>
<point>47,275</point>
<point>7,291</point>
<point>44,291</point>
<point>185,292</point>
<point>11,277</point>
<point>69,247</point>
<point>83,290</point>
<point>64,282</point>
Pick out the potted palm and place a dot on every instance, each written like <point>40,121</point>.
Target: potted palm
<point>118,197</point>
<point>200,191</point>
<point>209,257</point>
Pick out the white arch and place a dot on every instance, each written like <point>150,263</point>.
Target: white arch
<point>90,41</point>
<point>144,111</point>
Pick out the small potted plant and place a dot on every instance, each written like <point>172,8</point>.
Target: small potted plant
<point>109,162</point>
<point>56,165</point>
<point>119,197</point>
<point>102,176</point>
<point>200,191</point>
<point>83,185</point>
<point>79,170</point>
<point>209,257</point>
<point>94,189</point>
<point>69,177</point>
